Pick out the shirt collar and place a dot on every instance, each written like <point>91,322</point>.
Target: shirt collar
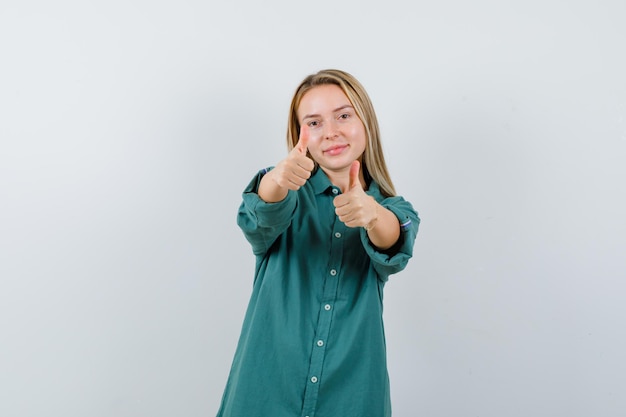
<point>319,180</point>
<point>321,183</point>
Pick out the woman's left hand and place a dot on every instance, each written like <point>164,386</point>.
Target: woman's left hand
<point>355,208</point>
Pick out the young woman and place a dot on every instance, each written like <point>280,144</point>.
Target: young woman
<point>327,230</point>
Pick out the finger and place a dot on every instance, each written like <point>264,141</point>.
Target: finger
<point>354,175</point>
<point>305,162</point>
<point>302,171</point>
<point>341,200</point>
<point>303,141</point>
<point>342,212</point>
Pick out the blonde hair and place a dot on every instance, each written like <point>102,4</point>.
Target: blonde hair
<point>373,162</point>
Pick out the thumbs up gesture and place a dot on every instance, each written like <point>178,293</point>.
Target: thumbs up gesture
<point>289,174</point>
<point>354,207</point>
<point>294,171</point>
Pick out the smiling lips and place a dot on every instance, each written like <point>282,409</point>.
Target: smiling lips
<point>335,150</point>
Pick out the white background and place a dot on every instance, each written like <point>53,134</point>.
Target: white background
<point>128,130</point>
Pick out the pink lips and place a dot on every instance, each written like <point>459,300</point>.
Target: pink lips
<point>335,150</point>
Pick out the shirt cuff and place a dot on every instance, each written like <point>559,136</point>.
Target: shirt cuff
<point>267,214</point>
<point>394,259</point>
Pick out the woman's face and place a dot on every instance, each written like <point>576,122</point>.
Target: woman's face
<point>337,135</point>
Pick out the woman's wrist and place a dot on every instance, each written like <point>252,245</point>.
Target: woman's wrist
<point>384,228</point>
<point>372,223</point>
<point>269,190</point>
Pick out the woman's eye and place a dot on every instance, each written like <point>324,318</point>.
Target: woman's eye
<point>344,116</point>
<point>313,123</point>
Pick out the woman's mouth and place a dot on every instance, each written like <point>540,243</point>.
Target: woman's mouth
<point>335,150</point>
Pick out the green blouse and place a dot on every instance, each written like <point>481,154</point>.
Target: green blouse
<point>313,342</point>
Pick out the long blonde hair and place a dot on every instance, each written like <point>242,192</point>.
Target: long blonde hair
<point>373,163</point>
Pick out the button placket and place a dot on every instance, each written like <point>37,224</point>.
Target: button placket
<point>331,284</point>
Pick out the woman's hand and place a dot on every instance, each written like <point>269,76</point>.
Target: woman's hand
<point>289,174</point>
<point>355,208</point>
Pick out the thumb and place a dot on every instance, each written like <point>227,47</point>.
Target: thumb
<point>303,141</point>
<point>355,168</point>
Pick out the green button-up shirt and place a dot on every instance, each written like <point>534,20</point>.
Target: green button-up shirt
<point>313,342</point>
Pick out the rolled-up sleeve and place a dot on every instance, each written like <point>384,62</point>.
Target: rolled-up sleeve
<point>263,222</point>
<point>396,258</point>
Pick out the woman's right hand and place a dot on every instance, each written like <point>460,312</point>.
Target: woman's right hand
<point>289,174</point>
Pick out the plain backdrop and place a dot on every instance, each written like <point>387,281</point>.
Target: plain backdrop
<point>128,130</point>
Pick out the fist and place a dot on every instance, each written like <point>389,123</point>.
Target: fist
<point>355,208</point>
<point>293,172</point>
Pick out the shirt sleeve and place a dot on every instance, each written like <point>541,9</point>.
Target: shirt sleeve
<point>263,222</point>
<point>396,258</point>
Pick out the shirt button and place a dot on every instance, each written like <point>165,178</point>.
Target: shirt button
<point>320,343</point>
<point>333,272</point>
<point>327,307</point>
<point>337,235</point>
<point>314,379</point>
<point>335,191</point>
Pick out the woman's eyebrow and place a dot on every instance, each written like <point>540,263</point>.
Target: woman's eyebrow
<point>346,106</point>
<point>312,116</point>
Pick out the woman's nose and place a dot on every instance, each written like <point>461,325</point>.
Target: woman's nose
<point>330,130</point>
